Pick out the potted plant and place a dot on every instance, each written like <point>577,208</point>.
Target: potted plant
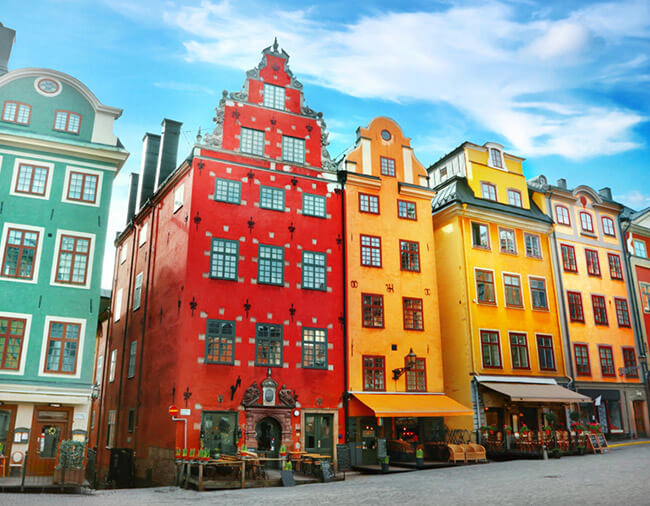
<point>384,463</point>
<point>507,429</point>
<point>184,454</point>
<point>419,457</point>
<point>581,449</point>
<point>524,429</point>
<point>70,466</point>
<point>177,454</point>
<point>547,430</point>
<point>192,454</point>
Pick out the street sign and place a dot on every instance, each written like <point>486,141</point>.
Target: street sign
<point>185,412</point>
<point>173,410</point>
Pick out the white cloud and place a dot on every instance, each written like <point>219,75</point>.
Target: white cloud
<point>479,58</point>
<point>185,87</point>
<point>634,199</point>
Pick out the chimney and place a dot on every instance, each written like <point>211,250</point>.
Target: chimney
<point>7,39</point>
<point>133,196</point>
<point>562,183</point>
<point>171,131</point>
<point>606,193</point>
<point>150,148</point>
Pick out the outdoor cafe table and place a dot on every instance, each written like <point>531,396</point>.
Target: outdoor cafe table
<point>234,461</point>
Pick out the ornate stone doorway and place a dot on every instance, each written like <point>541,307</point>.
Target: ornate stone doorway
<point>269,439</point>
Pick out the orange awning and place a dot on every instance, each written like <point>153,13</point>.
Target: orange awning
<point>407,404</point>
<point>531,392</point>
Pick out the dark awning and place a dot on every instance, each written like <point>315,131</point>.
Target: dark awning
<point>606,395</point>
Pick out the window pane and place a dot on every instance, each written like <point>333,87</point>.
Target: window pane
<point>252,141</point>
<point>313,205</point>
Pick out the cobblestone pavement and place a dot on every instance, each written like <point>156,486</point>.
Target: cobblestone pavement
<point>619,477</point>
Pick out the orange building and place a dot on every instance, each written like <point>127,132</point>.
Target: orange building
<point>600,326</point>
<point>395,382</point>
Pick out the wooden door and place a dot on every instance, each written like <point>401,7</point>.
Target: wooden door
<point>318,433</point>
<point>50,426</point>
<point>638,418</point>
<point>7,423</point>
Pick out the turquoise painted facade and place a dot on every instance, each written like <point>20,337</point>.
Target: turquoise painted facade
<point>58,159</point>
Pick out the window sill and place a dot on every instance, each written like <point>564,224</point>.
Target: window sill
<point>511,253</point>
<point>481,248</point>
<point>576,321</point>
<point>534,257</point>
<point>541,310</point>
<point>492,304</point>
<point>515,307</point>
<point>586,233</point>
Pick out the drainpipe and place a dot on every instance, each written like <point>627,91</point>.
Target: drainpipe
<point>342,179</point>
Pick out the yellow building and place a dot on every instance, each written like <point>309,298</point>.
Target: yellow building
<point>395,382</point>
<point>501,337</point>
<point>597,307</point>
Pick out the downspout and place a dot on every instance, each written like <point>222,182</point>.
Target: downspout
<point>342,179</point>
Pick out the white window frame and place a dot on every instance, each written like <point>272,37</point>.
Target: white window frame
<point>498,147</point>
<point>124,249</point>
<point>516,193</point>
<point>636,248</point>
<point>117,305</point>
<point>113,366</point>
<point>80,349</point>
<point>179,197</point>
<point>98,369</point>
<point>37,256</point>
<point>48,183</point>
<point>274,90</point>
<point>253,132</point>
<point>289,139</point>
<point>539,244</point>
<point>137,291</point>
<point>89,267</point>
<point>90,172</point>
<point>23,352</point>
<point>142,234</point>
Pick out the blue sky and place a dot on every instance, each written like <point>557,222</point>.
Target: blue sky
<point>564,84</point>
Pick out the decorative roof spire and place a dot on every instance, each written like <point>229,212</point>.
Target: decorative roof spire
<point>275,45</point>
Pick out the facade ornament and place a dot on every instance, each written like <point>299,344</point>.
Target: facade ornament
<point>251,395</point>
<point>239,96</point>
<point>216,137</point>
<point>308,111</point>
<point>287,397</point>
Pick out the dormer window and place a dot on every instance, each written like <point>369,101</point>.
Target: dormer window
<point>496,160</point>
<point>274,96</point>
<point>16,112</point>
<point>66,121</point>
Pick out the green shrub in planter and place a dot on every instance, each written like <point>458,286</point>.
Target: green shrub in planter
<point>71,454</point>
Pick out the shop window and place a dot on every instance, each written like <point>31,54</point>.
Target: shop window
<point>615,270</point>
<point>490,349</point>
<point>31,179</point>
<point>224,259</point>
<point>629,361</point>
<point>622,312</point>
<point>519,350</point>
<point>313,205</point>
<point>219,432</point>
<point>314,268</point>
<point>514,198</point>
<point>485,287</point>
<point>538,293</point>
<point>387,166</point>
<point>374,373</point>
<point>416,378</point>
<point>409,256</point>
<point>270,265</point>
<point>370,251</point>
<point>614,418</point>
<point>480,235</point>
<point>562,215</point>
<point>507,241</point>
<point>593,263</point>
<point>82,187</point>
<point>569,258</point>
<point>137,292</point>
<point>66,121</point>
<point>533,246</point>
<point>406,210</point>
<point>220,342</point>
<point>228,191</point>
<point>545,352</point>
<point>268,345</point>
<point>12,334</point>
<point>16,112</point>
<point>274,96</point>
<point>62,346</point>
<point>608,227</point>
<point>606,361</point>
<point>600,310</point>
<point>489,191</point>
<point>20,253</point>
<point>581,352</point>
<point>271,198</point>
<point>293,149</point>
<point>314,348</point>
<point>372,309</point>
<point>413,314</point>
<point>576,313</point>
<point>586,222</point>
<point>512,288</point>
<point>252,141</point>
<point>72,262</point>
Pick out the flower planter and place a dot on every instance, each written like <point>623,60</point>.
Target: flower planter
<point>69,477</point>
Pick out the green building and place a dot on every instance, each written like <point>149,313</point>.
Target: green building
<point>58,159</point>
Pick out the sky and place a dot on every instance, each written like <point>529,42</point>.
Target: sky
<point>565,85</point>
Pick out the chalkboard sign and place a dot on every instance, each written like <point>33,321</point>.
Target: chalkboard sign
<point>592,439</point>
<point>343,458</point>
<point>602,442</point>
<point>381,448</point>
<point>327,472</point>
<point>287,479</point>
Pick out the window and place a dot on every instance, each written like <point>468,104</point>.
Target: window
<point>368,203</point>
<point>533,247</point>
<point>409,256</point>
<point>608,227</point>
<point>273,96</point>
<point>16,112</point>
<point>370,251</point>
<point>514,198</point>
<point>639,248</point>
<point>629,361</point>
<point>374,373</point>
<point>562,215</point>
<point>485,287</point>
<point>220,342</point>
<point>72,264</point>
<point>507,241</point>
<point>387,166</point>
<point>117,308</point>
<point>606,360</point>
<point>20,253</point>
<point>252,141</point>
<point>512,287</point>
<point>545,352</point>
<point>519,350</point>
<point>495,158</point>
<point>142,235</point>
<point>644,289</point>
<point>112,367</point>
<point>271,198</point>
<point>65,121</point>
<point>615,270</point>
<point>581,352</point>
<point>313,205</point>
<point>372,309</point>
<point>593,264</point>
<point>538,293</point>
<point>124,249</point>
<point>137,292</point>
<point>31,180</point>
<point>576,314</point>
<point>98,371</point>
<point>179,197</point>
<point>490,349</point>
<point>314,268</point>
<point>93,416</point>
<point>224,259</point>
<point>131,420</point>
<point>133,353</point>
<point>314,348</point>
<point>622,312</point>
<point>416,378</point>
<point>110,429</point>
<point>600,309</point>
<point>82,187</point>
<point>62,345</point>
<point>406,210</point>
<point>480,235</point>
<point>270,266</point>
<point>293,149</point>
<point>443,173</point>
<point>569,258</point>
<point>12,333</point>
<point>268,345</point>
<point>489,191</point>
<point>413,315</point>
<point>586,222</point>
<point>226,190</point>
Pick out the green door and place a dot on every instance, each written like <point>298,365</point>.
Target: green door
<point>318,434</point>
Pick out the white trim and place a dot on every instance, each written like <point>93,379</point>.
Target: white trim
<point>515,379</point>
<point>499,148</point>
<point>41,92</point>
<point>494,282</point>
<point>124,249</point>
<point>514,238</point>
<point>117,305</point>
<point>521,289</point>
<point>142,234</point>
<point>539,240</point>
<point>37,256</point>
<point>55,258</point>
<point>112,365</point>
<point>480,346</point>
<point>66,184</point>
<point>55,159</point>
<point>80,349</point>
<point>48,183</point>
<point>25,344</point>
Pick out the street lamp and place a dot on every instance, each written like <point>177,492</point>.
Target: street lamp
<point>94,392</point>
<point>410,365</point>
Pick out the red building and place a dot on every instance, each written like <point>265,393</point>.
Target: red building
<point>228,296</point>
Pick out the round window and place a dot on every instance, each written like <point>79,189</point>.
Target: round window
<point>385,134</point>
<point>48,86</point>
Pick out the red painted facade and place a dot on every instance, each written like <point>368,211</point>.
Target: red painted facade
<point>181,298</point>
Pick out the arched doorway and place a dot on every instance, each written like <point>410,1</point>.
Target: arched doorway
<point>269,439</point>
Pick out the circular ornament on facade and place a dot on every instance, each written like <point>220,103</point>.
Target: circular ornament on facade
<point>385,134</point>
<point>296,412</point>
<point>47,86</point>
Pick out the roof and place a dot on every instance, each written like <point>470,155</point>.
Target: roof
<point>456,190</point>
<point>541,184</point>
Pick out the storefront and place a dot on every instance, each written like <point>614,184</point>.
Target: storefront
<point>621,412</point>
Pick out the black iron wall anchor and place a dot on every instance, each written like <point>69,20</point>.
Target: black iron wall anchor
<point>247,307</point>
<point>193,305</point>
<point>292,311</point>
<point>250,176</point>
<point>294,181</point>
<point>200,164</point>
<point>186,395</point>
<point>251,224</point>
<point>233,388</point>
<point>339,240</point>
<point>197,220</point>
<point>292,229</point>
